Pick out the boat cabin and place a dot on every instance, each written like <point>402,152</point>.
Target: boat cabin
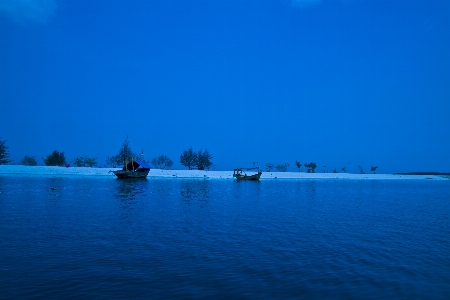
<point>136,166</point>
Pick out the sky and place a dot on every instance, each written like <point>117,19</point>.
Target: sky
<point>338,82</point>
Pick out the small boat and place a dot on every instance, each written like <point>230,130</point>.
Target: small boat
<point>239,175</point>
<point>133,169</point>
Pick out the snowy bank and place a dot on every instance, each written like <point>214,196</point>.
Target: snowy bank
<point>86,171</point>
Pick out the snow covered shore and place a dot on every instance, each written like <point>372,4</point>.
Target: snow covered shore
<point>85,171</point>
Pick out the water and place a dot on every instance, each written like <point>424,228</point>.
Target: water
<point>78,238</point>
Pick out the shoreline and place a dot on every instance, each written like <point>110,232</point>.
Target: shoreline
<point>158,173</point>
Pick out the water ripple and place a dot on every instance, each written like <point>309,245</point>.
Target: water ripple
<point>172,238</point>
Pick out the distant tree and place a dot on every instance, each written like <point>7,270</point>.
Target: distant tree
<point>373,169</point>
<point>55,159</point>
<point>361,170</point>
<point>4,154</point>
<point>311,167</point>
<point>282,168</point>
<point>269,166</point>
<point>125,153</point>
<point>82,161</point>
<point>29,161</point>
<point>188,158</point>
<point>79,162</point>
<point>344,169</point>
<point>299,165</point>
<point>335,171</point>
<point>162,162</point>
<point>90,161</point>
<point>203,160</point>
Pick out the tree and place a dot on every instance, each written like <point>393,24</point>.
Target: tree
<point>29,161</point>
<point>188,158</point>
<point>125,153</point>
<point>162,162</point>
<point>4,154</point>
<point>203,159</point>
<point>79,162</point>
<point>373,169</point>
<point>82,161</point>
<point>90,161</point>
<point>344,169</point>
<point>282,168</point>
<point>55,159</point>
<point>299,165</point>
<point>269,166</point>
<point>311,167</point>
<point>361,170</point>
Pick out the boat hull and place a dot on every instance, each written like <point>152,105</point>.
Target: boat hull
<point>124,174</point>
<point>253,177</point>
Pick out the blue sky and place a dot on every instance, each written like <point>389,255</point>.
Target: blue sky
<point>340,83</point>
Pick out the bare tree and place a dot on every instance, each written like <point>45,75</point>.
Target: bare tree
<point>269,166</point>
<point>361,170</point>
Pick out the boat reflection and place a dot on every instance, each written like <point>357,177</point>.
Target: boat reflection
<point>128,190</point>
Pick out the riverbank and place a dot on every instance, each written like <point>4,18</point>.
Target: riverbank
<point>86,171</point>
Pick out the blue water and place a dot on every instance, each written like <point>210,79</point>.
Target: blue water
<point>103,238</point>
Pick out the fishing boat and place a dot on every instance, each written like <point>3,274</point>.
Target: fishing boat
<point>239,174</point>
<point>133,169</point>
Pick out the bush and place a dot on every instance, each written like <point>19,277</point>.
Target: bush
<point>29,161</point>
<point>55,159</point>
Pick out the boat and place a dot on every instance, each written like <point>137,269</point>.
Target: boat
<point>133,169</point>
<point>239,174</point>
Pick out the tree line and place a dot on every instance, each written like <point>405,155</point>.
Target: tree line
<point>189,158</point>
<point>311,168</point>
